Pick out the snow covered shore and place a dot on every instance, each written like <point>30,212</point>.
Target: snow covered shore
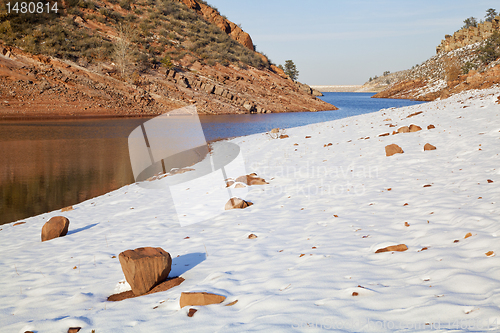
<point>313,266</point>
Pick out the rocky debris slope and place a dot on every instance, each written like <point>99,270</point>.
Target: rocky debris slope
<point>443,75</point>
<point>46,86</point>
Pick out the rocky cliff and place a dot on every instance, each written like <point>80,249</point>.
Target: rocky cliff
<point>174,56</point>
<point>468,36</point>
<point>449,72</point>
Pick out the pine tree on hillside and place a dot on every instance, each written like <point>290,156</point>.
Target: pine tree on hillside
<point>291,70</point>
<point>490,14</point>
<point>470,22</point>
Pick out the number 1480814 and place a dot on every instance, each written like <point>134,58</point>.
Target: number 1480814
<point>31,7</point>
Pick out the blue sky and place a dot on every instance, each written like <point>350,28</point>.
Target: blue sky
<point>347,42</point>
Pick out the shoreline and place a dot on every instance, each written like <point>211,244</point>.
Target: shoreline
<point>333,200</point>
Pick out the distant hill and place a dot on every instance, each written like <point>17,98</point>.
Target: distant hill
<point>130,57</point>
<point>460,64</point>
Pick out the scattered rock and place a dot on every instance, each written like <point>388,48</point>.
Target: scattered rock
<point>239,185</point>
<point>308,137</point>
<point>145,268</point>
<point>393,149</point>
<point>232,303</point>
<point>423,249</point>
<point>284,136</point>
<point>229,183</point>
<point>18,223</point>
<point>170,283</point>
<point>355,293</point>
<point>399,248</point>
<point>428,146</point>
<point>404,129</point>
<point>490,181</point>
<point>251,179</point>
<point>237,203</point>
<point>384,134</point>
<point>431,127</point>
<point>252,236</point>
<point>67,209</point>
<point>301,255</point>
<point>407,224</point>
<point>428,185</point>
<point>415,128</point>
<point>200,299</point>
<point>414,114</point>
<point>74,329</point>
<point>490,254</point>
<point>191,312</point>
<point>406,204</point>
<point>57,226</point>
<point>335,215</point>
<point>456,241</point>
<point>468,235</point>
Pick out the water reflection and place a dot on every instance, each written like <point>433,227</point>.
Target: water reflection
<point>46,165</point>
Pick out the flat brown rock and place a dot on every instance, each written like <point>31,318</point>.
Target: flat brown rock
<point>170,283</point>
<point>191,312</point>
<point>57,226</point>
<point>431,127</point>
<point>251,179</point>
<point>428,146</point>
<point>67,209</point>
<point>393,149</point>
<point>200,299</point>
<point>398,248</point>
<point>145,268</point>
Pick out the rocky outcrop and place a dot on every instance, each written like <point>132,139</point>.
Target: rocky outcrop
<point>39,86</point>
<point>213,16</point>
<point>468,36</point>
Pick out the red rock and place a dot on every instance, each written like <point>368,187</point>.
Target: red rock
<point>384,134</point>
<point>284,136</point>
<point>404,129</point>
<point>191,312</point>
<point>252,236</point>
<point>490,253</point>
<point>399,248</point>
<point>74,329</point>
<point>393,149</point>
<point>431,127</point>
<point>170,283</point>
<point>428,146</point>
<point>355,293</point>
<point>232,303</point>
<point>415,128</point>
<point>407,224</point>
<point>490,181</point>
<point>237,203</point>
<point>414,114</point>
<point>145,267</point>
<point>200,299</point>
<point>468,235</point>
<point>57,226</point>
<point>251,179</point>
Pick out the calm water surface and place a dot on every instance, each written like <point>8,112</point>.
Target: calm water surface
<point>49,164</point>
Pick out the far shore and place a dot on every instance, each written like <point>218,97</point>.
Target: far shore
<point>341,88</point>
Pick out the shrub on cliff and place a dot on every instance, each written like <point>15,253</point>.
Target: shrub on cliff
<point>490,51</point>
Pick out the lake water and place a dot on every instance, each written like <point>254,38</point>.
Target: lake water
<point>49,164</point>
